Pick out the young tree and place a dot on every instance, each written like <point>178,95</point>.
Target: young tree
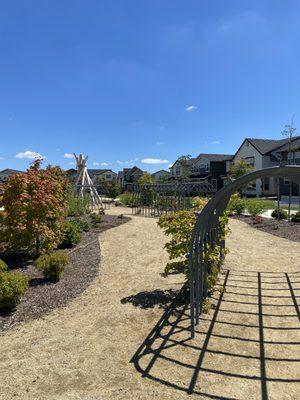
<point>185,166</point>
<point>240,168</point>
<point>110,189</point>
<point>145,179</point>
<point>289,131</point>
<point>35,206</point>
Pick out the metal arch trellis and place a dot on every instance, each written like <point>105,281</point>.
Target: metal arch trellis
<point>153,200</point>
<point>207,233</point>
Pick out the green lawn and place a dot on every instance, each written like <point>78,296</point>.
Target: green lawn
<point>271,204</point>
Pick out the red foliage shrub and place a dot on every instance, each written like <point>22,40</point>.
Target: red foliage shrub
<point>34,204</point>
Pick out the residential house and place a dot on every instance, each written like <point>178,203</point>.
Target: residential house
<point>94,174</point>
<point>161,176</point>
<point>181,169</point>
<point>261,153</point>
<point>107,174</point>
<point>289,154</point>
<point>211,168</point>
<point>129,176</point>
<point>6,173</point>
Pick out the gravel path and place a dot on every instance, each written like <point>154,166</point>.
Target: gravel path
<point>248,348</point>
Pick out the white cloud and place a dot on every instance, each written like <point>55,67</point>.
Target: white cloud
<point>216,142</point>
<point>2,158</point>
<point>68,155</point>
<point>29,154</point>
<point>127,161</point>
<point>154,161</point>
<point>191,108</point>
<point>71,163</point>
<point>103,164</point>
<point>170,165</point>
<point>159,143</point>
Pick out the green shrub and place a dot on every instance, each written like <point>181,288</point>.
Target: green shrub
<point>82,225</point>
<point>72,234</point>
<point>126,199</point>
<point>3,266</point>
<point>279,213</point>
<point>199,203</point>
<point>236,205</point>
<point>76,205</point>
<point>12,287</point>
<point>95,219</point>
<point>52,265</point>
<point>255,207</point>
<point>296,217</point>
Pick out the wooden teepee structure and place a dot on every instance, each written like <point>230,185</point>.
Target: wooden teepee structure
<point>84,185</point>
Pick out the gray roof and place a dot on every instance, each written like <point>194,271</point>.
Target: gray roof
<point>161,170</point>
<point>265,146</point>
<point>295,145</point>
<point>216,157</point>
<point>98,171</point>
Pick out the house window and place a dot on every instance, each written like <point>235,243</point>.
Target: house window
<point>207,167</point>
<point>286,181</point>
<point>250,160</point>
<point>214,184</point>
<point>177,171</point>
<point>108,176</point>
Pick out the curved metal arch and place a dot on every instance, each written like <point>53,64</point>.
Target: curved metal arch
<point>208,221</point>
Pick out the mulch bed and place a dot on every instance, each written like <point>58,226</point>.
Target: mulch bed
<point>283,229</point>
<point>43,296</point>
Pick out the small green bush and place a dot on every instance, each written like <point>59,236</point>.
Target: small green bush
<point>72,234</point>
<point>52,265</point>
<point>296,217</point>
<point>95,219</point>
<point>83,226</point>
<point>126,199</point>
<point>3,266</point>
<point>279,213</point>
<point>77,206</point>
<point>255,207</point>
<point>12,287</point>
<point>236,205</point>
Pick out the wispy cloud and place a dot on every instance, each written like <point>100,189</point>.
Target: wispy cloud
<point>216,142</point>
<point>127,161</point>
<point>28,154</point>
<point>102,164</point>
<point>191,108</point>
<point>71,163</point>
<point>154,161</point>
<point>170,165</point>
<point>68,155</point>
<point>160,143</point>
<point>2,158</point>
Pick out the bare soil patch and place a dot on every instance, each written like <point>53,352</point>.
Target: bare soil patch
<point>44,296</point>
<point>283,229</point>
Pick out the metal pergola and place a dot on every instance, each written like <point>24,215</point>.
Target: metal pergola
<point>207,234</point>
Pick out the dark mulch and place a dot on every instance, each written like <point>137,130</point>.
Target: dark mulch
<point>284,229</point>
<point>43,296</point>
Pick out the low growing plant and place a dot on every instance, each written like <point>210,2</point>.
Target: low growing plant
<point>255,207</point>
<point>236,205</point>
<point>12,287</point>
<point>82,225</point>
<point>72,234</point>
<point>198,203</point>
<point>3,266</point>
<point>52,265</point>
<point>126,199</point>
<point>296,217</point>
<point>76,205</point>
<point>279,213</point>
<point>95,219</point>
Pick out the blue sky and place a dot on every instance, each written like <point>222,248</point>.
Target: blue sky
<point>144,81</point>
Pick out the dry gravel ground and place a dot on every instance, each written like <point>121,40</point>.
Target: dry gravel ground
<point>247,348</point>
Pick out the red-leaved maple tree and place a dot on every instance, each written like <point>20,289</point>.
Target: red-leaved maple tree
<point>34,204</point>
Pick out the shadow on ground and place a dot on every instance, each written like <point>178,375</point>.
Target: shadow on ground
<point>233,347</point>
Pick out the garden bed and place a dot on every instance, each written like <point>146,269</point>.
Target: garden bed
<point>43,296</point>
<point>282,228</point>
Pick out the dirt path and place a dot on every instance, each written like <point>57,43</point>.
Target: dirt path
<point>246,349</point>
